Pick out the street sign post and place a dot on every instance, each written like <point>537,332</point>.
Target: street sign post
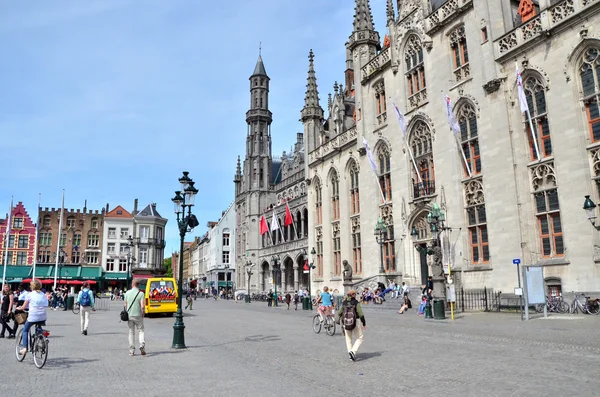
<point>517,261</point>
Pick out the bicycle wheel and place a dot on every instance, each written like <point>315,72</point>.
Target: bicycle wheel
<point>18,346</point>
<point>76,308</point>
<point>330,326</point>
<point>563,307</point>
<point>40,350</point>
<point>539,308</point>
<point>317,324</point>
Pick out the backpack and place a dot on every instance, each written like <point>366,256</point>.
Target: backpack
<point>296,298</point>
<point>349,315</point>
<point>85,298</point>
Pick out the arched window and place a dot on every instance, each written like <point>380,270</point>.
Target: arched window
<point>389,247</point>
<point>589,71</point>
<point>421,146</point>
<point>385,178</point>
<point>354,193</point>
<point>356,250</point>
<point>335,197</point>
<point>535,93</point>
<point>318,203</point>
<point>415,72</point>
<point>460,55</point>
<point>467,119</point>
<point>305,222</point>
<point>71,222</point>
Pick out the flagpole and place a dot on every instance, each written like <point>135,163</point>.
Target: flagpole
<point>413,161</point>
<point>6,238</point>
<point>463,155</point>
<point>287,208</point>
<point>37,231</point>
<point>455,129</point>
<point>533,136</point>
<point>62,208</point>
<point>373,167</point>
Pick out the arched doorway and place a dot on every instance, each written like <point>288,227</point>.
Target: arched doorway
<point>288,282</point>
<point>303,279</point>
<point>266,274</point>
<point>420,245</point>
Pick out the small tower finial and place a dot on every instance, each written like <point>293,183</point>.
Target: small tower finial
<point>259,48</point>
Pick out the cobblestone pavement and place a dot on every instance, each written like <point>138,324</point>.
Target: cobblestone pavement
<point>252,350</point>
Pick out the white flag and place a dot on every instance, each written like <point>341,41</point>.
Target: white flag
<point>370,155</point>
<point>401,119</point>
<point>522,98</point>
<point>451,119</point>
<point>274,223</point>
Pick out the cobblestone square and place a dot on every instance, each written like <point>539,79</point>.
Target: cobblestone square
<point>252,350</point>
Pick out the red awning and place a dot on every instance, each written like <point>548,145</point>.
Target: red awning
<point>90,282</point>
<point>75,282</point>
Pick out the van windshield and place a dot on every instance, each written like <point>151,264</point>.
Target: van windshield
<point>162,291</point>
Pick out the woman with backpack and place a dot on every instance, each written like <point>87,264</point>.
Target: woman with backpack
<point>349,313</point>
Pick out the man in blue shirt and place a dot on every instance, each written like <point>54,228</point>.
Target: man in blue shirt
<point>85,298</point>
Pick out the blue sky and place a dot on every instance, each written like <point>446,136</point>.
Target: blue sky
<point>112,99</point>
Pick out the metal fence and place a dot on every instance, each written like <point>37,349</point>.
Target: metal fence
<point>475,299</point>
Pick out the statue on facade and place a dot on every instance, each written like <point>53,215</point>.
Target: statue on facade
<point>347,271</point>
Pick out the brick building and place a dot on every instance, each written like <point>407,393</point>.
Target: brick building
<point>21,240</point>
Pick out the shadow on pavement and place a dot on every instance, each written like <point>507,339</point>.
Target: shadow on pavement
<point>63,362</point>
<point>107,333</point>
<point>172,351</point>
<point>368,355</point>
<point>262,338</point>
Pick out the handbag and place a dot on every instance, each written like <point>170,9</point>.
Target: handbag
<point>21,317</point>
<point>125,313</point>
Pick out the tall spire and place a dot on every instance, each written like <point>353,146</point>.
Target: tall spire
<point>311,100</point>
<point>363,19</point>
<point>238,170</point>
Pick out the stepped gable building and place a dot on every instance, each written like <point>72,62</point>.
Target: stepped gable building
<point>21,239</point>
<point>263,185</point>
<point>80,238</point>
<point>516,193</point>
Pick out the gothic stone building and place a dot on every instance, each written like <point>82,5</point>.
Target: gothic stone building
<point>263,186</point>
<point>512,201</point>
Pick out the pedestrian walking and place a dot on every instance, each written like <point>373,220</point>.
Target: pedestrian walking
<point>296,300</point>
<point>134,304</point>
<point>288,300</point>
<point>6,311</point>
<point>349,313</point>
<point>270,298</point>
<point>189,300</point>
<point>85,298</point>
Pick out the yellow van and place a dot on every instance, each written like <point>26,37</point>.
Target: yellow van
<point>160,294</point>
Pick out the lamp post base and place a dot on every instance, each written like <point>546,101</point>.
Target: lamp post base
<point>428,311</point>
<point>178,331</point>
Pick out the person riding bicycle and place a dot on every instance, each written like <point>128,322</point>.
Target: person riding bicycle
<point>326,304</point>
<point>37,303</point>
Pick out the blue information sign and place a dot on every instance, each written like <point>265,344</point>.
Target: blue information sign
<point>516,261</point>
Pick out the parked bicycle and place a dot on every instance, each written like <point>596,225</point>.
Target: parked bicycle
<point>590,306</point>
<point>554,304</point>
<point>38,344</point>
<point>328,323</point>
<point>76,308</point>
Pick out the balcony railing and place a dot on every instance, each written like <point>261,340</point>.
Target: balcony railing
<point>375,65</point>
<point>334,144</point>
<point>150,241</point>
<point>542,24</point>
<point>426,188</point>
<point>446,13</point>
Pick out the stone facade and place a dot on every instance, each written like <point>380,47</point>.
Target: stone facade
<point>118,227</point>
<point>502,200</point>
<point>148,240</point>
<point>263,187</point>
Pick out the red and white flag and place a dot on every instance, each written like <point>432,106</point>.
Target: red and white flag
<point>264,228</point>
<point>288,216</point>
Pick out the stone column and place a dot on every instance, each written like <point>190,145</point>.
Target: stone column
<point>283,281</point>
<point>261,281</point>
<point>296,276</point>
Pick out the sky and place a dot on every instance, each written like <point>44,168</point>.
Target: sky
<point>111,100</point>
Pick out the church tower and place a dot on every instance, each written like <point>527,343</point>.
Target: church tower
<point>254,176</point>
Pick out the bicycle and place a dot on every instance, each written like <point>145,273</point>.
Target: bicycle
<point>328,323</point>
<point>76,307</point>
<point>553,304</point>
<point>590,307</point>
<point>38,344</point>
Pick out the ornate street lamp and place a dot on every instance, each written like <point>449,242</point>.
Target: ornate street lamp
<point>590,209</point>
<point>129,248</point>
<point>186,222</point>
<point>380,236</point>
<point>435,218</point>
<point>276,272</point>
<point>311,266</point>
<point>249,266</point>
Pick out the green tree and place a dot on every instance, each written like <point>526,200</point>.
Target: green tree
<point>168,267</point>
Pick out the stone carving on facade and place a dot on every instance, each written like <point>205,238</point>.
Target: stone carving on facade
<point>474,193</point>
<point>387,213</point>
<point>595,159</point>
<point>347,271</point>
<point>319,233</point>
<point>355,222</point>
<point>335,229</point>
<point>543,176</point>
<point>493,85</point>
<point>562,11</point>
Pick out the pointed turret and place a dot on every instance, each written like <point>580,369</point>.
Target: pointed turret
<point>363,19</point>
<point>364,29</point>
<point>390,11</point>
<point>259,69</point>
<point>312,113</point>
